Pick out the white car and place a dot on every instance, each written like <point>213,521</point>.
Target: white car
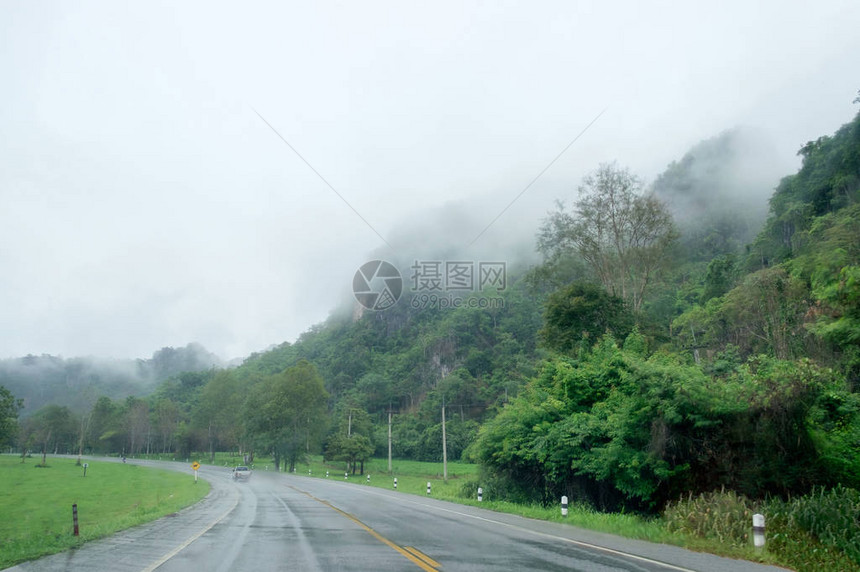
<point>241,474</point>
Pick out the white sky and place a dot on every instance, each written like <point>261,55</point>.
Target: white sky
<point>143,203</point>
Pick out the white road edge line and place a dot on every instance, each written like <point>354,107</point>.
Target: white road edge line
<point>547,535</point>
<point>194,537</point>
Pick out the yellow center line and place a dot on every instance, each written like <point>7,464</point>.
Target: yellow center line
<point>406,553</point>
<point>423,556</point>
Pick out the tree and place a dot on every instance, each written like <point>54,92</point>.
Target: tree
<point>167,417</point>
<point>53,428</point>
<point>137,425</point>
<point>105,427</point>
<point>286,412</point>
<point>583,313</point>
<point>621,233</point>
<point>9,407</point>
<point>351,440</point>
<point>828,180</point>
<point>217,413</point>
<point>762,314</point>
<point>353,449</point>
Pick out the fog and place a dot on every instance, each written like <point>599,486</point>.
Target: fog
<point>78,382</point>
<point>146,204</point>
<point>723,184</point>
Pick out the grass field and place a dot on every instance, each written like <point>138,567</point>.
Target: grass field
<point>36,502</point>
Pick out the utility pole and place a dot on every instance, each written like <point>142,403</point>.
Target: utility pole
<point>389,439</point>
<point>444,445</point>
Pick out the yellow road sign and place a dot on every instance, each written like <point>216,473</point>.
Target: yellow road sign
<point>195,465</point>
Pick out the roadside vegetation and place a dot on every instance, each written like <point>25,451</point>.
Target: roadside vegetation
<point>36,502</point>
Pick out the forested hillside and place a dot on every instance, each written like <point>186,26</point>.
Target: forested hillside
<point>678,337</point>
<point>78,382</point>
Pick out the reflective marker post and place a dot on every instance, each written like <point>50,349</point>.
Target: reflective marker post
<point>368,479</point>
<point>480,494</point>
<point>758,531</point>
<point>563,506</point>
<point>395,482</point>
<point>428,487</point>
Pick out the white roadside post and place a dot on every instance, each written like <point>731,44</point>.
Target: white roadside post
<point>368,479</point>
<point>346,476</point>
<point>428,487</point>
<point>563,506</point>
<point>758,531</point>
<point>326,474</point>
<point>395,482</point>
<point>480,494</point>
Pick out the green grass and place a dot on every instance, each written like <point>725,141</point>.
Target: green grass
<point>36,502</point>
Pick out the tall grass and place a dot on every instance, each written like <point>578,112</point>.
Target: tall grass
<point>815,532</point>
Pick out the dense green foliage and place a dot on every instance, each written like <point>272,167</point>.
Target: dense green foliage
<point>765,401</point>
<point>577,316</point>
<point>621,429</point>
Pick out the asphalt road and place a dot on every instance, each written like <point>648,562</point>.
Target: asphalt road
<point>287,522</point>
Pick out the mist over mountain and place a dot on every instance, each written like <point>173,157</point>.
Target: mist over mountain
<point>718,191</point>
<point>79,381</point>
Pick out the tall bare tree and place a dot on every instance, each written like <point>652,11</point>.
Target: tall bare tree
<point>622,233</point>
<point>137,425</point>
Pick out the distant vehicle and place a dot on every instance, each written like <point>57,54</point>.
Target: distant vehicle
<point>241,473</point>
